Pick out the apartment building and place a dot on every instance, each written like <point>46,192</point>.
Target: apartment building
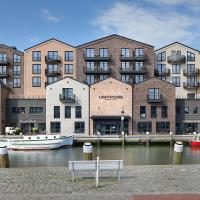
<point>115,56</point>
<point>46,63</point>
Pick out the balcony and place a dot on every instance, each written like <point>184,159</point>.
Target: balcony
<point>165,72</point>
<point>52,72</point>
<point>4,62</point>
<point>139,71</point>
<point>103,58</point>
<point>155,99</point>
<point>126,71</point>
<point>176,59</point>
<point>134,57</point>
<point>67,99</point>
<point>191,85</point>
<point>194,72</point>
<point>4,74</point>
<point>97,71</point>
<point>52,59</point>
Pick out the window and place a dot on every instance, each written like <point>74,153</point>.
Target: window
<point>52,79</point>
<point>139,66</point>
<point>176,69</point>
<point>103,52</point>
<point>125,52</point>
<point>36,81</point>
<point>195,110</point>
<point>176,81</point>
<point>125,78</point>
<point>90,79</point>
<point>52,55</point>
<point>78,111</point>
<point>153,111</point>
<point>186,110</point>
<point>67,111</point>
<point>3,57</point>
<point>139,78</point>
<point>79,127</point>
<point>191,80</point>
<point>161,56</point>
<point>52,68</point>
<point>139,52</point>
<point>190,68</point>
<point>103,77</point>
<point>36,55</point>
<point>125,66</point>
<point>190,56</point>
<point>18,110</point>
<point>36,69</point>
<point>55,127</point>
<point>16,82</point>
<point>16,58</point>
<point>69,55</point>
<point>56,111</point>
<point>191,96</point>
<point>3,70</point>
<point>154,93</point>
<point>178,110</point>
<point>90,53</point>
<point>90,66</point>
<point>161,68</point>
<point>144,127</point>
<point>35,110</point>
<point>103,66</point>
<point>164,112</point>
<point>162,127</point>
<point>163,78</point>
<point>69,69</point>
<point>142,111</point>
<point>16,70</point>
<point>68,93</point>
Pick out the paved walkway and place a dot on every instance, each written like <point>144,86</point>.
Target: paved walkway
<point>55,183</point>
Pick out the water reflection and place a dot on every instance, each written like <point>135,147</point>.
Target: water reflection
<point>131,154</point>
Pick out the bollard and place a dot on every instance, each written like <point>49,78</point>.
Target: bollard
<point>178,149</point>
<point>87,151</point>
<point>123,138</point>
<point>171,138</point>
<point>147,138</point>
<point>4,159</point>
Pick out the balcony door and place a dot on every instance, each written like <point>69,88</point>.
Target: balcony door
<point>154,93</point>
<point>68,93</point>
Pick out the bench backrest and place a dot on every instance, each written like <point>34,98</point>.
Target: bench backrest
<point>92,165</point>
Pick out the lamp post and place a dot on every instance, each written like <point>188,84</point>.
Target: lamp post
<point>122,127</point>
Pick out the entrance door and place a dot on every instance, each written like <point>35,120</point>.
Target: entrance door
<point>27,127</point>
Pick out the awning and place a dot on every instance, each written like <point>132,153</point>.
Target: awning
<point>109,117</point>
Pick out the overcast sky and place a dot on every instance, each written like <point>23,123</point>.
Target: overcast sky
<point>27,22</point>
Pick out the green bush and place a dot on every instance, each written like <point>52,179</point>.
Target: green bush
<point>18,130</point>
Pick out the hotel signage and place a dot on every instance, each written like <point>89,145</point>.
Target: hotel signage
<point>28,121</point>
<point>111,97</point>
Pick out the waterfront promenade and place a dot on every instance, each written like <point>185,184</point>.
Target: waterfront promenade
<point>55,183</point>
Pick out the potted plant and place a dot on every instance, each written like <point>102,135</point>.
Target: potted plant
<point>17,131</point>
<point>35,130</point>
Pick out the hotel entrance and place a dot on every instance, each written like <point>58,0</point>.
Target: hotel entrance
<point>27,127</point>
<point>109,126</point>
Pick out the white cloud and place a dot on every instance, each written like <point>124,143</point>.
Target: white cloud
<point>47,15</point>
<point>150,26</point>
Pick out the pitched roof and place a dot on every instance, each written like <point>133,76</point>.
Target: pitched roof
<point>113,36</point>
<point>179,44</point>
<point>49,41</point>
<point>11,47</point>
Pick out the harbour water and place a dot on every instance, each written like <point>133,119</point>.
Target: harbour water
<point>131,154</point>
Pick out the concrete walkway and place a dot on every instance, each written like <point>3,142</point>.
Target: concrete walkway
<point>55,183</point>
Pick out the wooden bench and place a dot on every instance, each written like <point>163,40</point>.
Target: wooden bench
<point>95,165</point>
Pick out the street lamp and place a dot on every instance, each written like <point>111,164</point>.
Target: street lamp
<point>122,122</point>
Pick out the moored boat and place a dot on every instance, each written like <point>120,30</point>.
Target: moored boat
<point>37,142</point>
<point>195,142</point>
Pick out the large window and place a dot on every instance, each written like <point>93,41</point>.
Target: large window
<point>55,127</point>
<point>52,79</point>
<point>139,66</point>
<point>78,111</point>
<point>56,111</point>
<point>139,78</point>
<point>69,69</point>
<point>16,58</point>
<point>164,111</point>
<point>144,127</point>
<point>35,110</point>
<point>3,57</point>
<point>139,52</point>
<point>125,66</point>
<point>67,111</point>
<point>18,110</point>
<point>176,69</point>
<point>154,93</point>
<point>162,127</point>
<point>36,69</point>
<point>191,80</point>
<point>16,82</point>
<point>190,56</point>
<point>176,81</point>
<point>161,68</point>
<point>103,77</point>
<point>190,68</point>
<point>195,110</point>
<point>103,52</point>
<point>125,78</point>
<point>90,79</point>
<point>3,70</point>
<point>52,68</point>
<point>125,52</point>
<point>103,66</point>
<point>69,55</point>
<point>36,55</point>
<point>16,70</point>
<point>36,81</point>
<point>142,111</point>
<point>161,56</point>
<point>79,127</point>
<point>153,111</point>
<point>90,66</point>
<point>68,93</point>
<point>178,110</point>
<point>52,55</point>
<point>90,53</point>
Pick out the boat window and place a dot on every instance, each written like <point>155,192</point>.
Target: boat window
<point>38,137</point>
<point>29,138</point>
<point>46,137</point>
<point>54,137</point>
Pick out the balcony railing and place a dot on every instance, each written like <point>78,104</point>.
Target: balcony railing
<point>134,57</point>
<point>52,72</point>
<point>67,99</point>
<point>165,72</point>
<point>52,59</point>
<point>194,72</point>
<point>141,70</point>
<point>98,58</point>
<point>191,85</point>
<point>154,99</point>
<point>5,61</point>
<point>3,74</point>
<point>97,71</point>
<point>176,59</point>
<point>126,71</point>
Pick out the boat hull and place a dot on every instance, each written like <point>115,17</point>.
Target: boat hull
<point>195,143</point>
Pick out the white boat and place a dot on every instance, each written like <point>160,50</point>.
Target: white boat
<point>37,142</point>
